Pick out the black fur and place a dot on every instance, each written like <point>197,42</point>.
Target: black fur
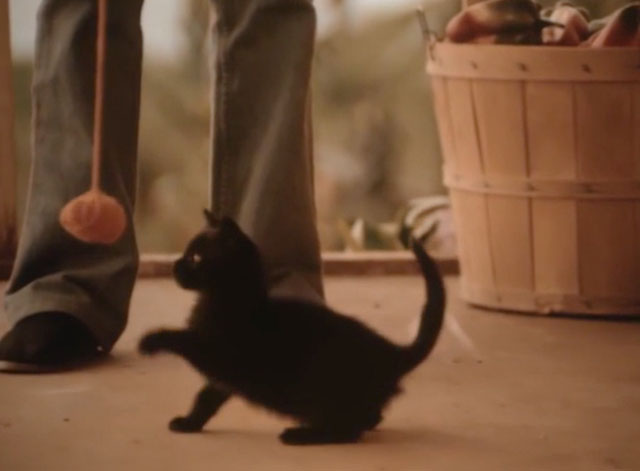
<point>328,371</point>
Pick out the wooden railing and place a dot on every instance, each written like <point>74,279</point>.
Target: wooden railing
<point>7,149</point>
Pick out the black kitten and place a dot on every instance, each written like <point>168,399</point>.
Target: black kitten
<point>330,372</point>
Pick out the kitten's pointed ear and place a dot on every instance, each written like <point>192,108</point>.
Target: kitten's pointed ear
<point>211,218</point>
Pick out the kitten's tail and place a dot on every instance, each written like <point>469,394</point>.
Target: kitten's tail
<point>432,313</point>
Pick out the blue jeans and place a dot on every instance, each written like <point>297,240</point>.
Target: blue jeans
<point>262,156</point>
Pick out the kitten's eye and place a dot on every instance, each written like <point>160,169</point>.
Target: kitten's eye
<point>195,258</point>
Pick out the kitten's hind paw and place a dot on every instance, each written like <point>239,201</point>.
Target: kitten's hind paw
<point>152,343</point>
<point>184,425</point>
<point>318,436</point>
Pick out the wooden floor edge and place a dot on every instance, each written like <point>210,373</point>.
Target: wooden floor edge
<point>334,264</point>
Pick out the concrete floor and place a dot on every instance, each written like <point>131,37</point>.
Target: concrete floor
<point>500,392</point>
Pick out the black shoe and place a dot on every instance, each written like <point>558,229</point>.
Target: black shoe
<point>47,342</point>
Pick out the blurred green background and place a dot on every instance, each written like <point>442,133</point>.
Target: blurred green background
<point>376,143</point>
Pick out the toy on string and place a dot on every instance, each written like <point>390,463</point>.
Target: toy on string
<point>95,217</point>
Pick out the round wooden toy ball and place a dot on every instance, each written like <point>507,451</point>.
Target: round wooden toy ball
<point>94,218</point>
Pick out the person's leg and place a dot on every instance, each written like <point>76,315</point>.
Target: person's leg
<point>55,273</point>
<point>262,162</point>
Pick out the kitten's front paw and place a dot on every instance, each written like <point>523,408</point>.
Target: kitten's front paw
<point>184,425</point>
<point>152,343</point>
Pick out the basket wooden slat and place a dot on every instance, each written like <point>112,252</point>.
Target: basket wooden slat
<point>542,158</point>
<point>555,233</point>
<point>549,106</point>
<point>608,249</point>
<point>505,62</point>
<point>605,108</point>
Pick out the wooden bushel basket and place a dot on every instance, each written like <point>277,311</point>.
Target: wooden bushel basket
<point>542,158</point>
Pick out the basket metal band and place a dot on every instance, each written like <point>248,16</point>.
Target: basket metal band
<point>534,63</point>
<point>543,188</point>
<point>548,303</point>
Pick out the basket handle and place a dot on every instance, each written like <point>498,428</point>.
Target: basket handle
<point>430,37</point>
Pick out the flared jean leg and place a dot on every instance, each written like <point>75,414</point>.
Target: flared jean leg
<point>262,139</point>
<point>53,271</point>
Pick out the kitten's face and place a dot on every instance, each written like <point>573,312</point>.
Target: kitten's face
<point>219,249</point>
